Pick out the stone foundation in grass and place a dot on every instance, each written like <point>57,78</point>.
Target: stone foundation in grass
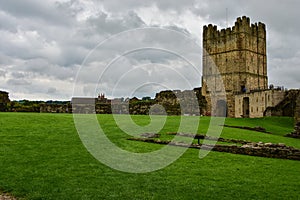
<point>261,149</point>
<point>296,132</point>
<point>257,128</point>
<point>199,136</point>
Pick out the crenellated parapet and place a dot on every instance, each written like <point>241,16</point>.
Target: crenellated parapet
<point>242,25</point>
<point>243,35</point>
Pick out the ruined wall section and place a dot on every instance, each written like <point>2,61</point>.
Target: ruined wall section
<point>4,100</point>
<point>258,102</point>
<point>178,102</point>
<point>286,107</point>
<point>297,111</point>
<point>296,132</point>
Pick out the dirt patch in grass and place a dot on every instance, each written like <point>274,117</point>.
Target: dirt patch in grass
<point>5,196</point>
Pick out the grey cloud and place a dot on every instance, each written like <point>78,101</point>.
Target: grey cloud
<point>4,59</point>
<point>102,24</point>
<point>18,82</point>
<point>287,68</point>
<point>114,5</point>
<point>41,68</point>
<point>18,75</point>
<point>2,73</point>
<point>179,29</point>
<point>51,90</point>
<point>7,22</point>
<point>35,9</point>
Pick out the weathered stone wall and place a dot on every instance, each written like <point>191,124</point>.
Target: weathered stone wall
<point>239,54</point>
<point>286,107</point>
<point>55,108</point>
<point>259,101</point>
<point>297,110</point>
<point>188,102</point>
<point>4,100</point>
<point>268,150</point>
<point>296,132</point>
<point>261,149</point>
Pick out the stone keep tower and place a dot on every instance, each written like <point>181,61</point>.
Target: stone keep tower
<point>239,54</point>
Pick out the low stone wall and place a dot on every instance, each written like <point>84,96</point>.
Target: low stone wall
<point>261,149</point>
<point>268,150</point>
<point>199,136</point>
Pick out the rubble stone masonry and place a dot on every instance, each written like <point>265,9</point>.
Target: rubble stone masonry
<point>239,54</point>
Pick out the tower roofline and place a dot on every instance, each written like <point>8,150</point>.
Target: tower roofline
<point>242,24</point>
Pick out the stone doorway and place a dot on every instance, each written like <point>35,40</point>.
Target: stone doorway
<point>221,110</point>
<point>246,111</point>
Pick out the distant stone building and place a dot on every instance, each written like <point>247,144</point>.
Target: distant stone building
<point>240,60</point>
<point>4,100</point>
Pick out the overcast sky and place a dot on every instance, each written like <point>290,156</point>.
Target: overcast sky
<point>48,46</point>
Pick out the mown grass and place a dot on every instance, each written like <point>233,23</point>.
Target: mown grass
<point>42,157</point>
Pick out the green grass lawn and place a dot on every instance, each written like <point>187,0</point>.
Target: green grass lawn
<point>42,157</point>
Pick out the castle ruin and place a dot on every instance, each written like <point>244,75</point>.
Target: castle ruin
<point>234,83</point>
<point>239,54</point>
<point>4,100</point>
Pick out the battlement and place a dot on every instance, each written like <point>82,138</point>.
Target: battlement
<point>242,25</point>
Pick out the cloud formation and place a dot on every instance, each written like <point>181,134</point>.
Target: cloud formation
<point>44,43</point>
